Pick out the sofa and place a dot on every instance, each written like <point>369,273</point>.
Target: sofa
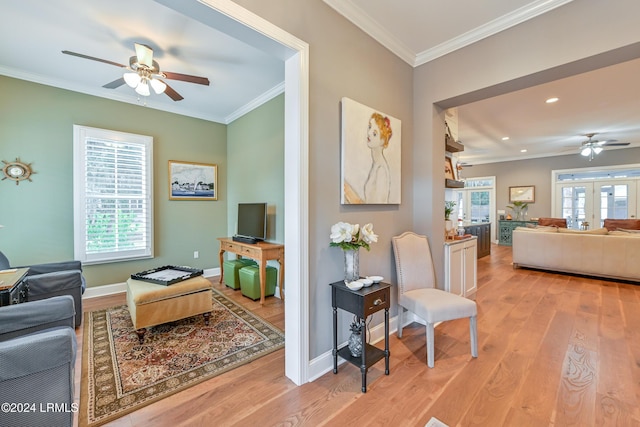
<point>599,252</point>
<point>37,363</point>
<point>53,279</point>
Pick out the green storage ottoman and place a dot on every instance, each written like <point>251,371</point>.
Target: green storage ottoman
<point>231,269</point>
<point>250,281</point>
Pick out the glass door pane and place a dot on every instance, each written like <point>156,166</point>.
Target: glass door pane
<point>479,206</point>
<point>576,202</point>
<point>616,200</point>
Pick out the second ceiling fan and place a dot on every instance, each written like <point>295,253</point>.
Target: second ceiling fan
<point>144,72</point>
<point>591,147</point>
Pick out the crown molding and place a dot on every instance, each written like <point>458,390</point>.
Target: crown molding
<point>255,103</point>
<point>502,23</point>
<point>367,24</point>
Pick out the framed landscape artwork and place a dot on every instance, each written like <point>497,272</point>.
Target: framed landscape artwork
<point>370,164</point>
<point>524,194</point>
<point>192,181</point>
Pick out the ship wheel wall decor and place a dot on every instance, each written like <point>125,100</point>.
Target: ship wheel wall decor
<point>17,171</point>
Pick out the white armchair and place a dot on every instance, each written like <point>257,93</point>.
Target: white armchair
<point>417,292</point>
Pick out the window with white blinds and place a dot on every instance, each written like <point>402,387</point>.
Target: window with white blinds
<point>113,204</point>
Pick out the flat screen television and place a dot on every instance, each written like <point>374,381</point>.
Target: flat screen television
<point>252,221</point>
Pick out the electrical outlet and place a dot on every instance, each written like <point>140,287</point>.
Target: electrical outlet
<point>196,254</point>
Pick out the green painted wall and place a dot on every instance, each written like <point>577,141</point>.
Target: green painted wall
<point>36,125</point>
<point>255,154</point>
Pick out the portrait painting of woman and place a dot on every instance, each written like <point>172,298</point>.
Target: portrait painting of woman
<point>370,155</point>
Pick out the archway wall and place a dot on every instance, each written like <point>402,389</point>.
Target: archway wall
<point>344,62</point>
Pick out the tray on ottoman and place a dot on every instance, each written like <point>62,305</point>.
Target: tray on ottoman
<point>167,275</point>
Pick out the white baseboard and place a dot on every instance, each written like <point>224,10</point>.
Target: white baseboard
<point>117,288</point>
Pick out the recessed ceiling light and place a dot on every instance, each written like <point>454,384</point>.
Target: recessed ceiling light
<point>524,150</point>
<point>505,138</point>
<point>551,100</point>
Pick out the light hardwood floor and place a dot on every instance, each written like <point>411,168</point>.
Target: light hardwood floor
<point>554,350</point>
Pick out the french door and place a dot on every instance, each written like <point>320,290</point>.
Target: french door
<point>474,205</point>
<point>588,204</point>
<point>476,202</point>
<point>617,200</point>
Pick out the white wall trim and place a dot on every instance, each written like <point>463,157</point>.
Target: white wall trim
<point>502,23</point>
<point>296,57</point>
<point>252,105</point>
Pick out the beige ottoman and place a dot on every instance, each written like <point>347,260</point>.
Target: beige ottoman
<point>150,304</point>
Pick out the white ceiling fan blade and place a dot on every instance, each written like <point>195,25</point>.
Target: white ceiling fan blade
<point>144,54</point>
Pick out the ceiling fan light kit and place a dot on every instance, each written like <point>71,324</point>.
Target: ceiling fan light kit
<point>143,72</point>
<point>158,86</point>
<point>590,148</point>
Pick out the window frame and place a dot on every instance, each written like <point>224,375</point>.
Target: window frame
<point>82,134</point>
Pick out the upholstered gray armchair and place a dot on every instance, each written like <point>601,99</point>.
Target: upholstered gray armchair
<point>53,279</point>
<point>37,363</point>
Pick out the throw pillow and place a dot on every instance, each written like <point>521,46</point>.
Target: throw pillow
<point>627,224</point>
<point>556,222</point>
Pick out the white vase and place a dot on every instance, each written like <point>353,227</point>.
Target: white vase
<point>351,264</point>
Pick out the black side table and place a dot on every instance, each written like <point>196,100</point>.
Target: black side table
<point>12,288</point>
<point>361,303</point>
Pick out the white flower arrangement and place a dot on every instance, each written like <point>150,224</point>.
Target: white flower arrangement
<point>352,236</point>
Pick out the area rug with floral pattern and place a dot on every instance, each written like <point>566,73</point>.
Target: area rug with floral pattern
<point>120,375</point>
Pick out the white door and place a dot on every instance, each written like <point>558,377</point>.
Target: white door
<point>576,203</point>
<point>476,202</point>
<point>593,202</point>
<point>615,199</point>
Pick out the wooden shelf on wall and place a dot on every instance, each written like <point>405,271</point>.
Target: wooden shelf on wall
<point>452,183</point>
<point>452,146</point>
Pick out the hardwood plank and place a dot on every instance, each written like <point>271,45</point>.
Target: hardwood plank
<point>577,393</point>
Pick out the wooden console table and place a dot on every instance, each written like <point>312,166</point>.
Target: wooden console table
<point>261,252</point>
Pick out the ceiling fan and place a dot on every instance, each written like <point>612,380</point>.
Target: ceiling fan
<point>143,71</point>
<point>591,147</point>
